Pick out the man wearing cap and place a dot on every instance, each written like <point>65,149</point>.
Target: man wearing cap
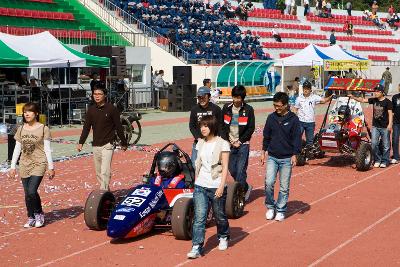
<point>23,80</point>
<point>305,110</point>
<point>382,123</point>
<point>204,107</point>
<point>104,120</point>
<point>387,77</point>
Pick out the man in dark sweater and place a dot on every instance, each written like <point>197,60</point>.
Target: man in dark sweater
<point>204,107</point>
<point>104,119</point>
<point>237,129</point>
<point>281,142</point>
<point>396,127</point>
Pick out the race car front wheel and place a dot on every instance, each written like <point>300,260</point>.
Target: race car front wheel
<point>98,208</point>
<point>234,206</point>
<point>182,218</point>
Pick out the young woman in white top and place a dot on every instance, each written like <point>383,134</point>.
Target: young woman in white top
<point>210,185</point>
<point>33,140</point>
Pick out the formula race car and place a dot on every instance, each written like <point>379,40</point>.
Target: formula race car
<point>344,128</point>
<point>164,199</point>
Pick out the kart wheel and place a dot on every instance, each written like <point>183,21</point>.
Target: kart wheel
<point>301,160</point>
<point>234,201</point>
<point>127,129</point>
<point>182,218</point>
<point>364,157</point>
<point>136,131</point>
<point>98,208</point>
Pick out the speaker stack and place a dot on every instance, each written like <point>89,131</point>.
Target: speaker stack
<point>182,93</point>
<point>116,54</point>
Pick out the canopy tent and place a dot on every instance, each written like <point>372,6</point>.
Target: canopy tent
<point>314,55</point>
<point>43,50</point>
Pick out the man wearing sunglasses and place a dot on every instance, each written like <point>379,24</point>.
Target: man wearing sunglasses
<point>204,107</point>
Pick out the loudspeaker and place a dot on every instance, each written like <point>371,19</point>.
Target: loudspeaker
<point>95,50</point>
<point>186,91</point>
<point>182,74</point>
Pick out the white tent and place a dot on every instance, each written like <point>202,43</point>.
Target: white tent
<point>314,55</point>
<point>43,50</point>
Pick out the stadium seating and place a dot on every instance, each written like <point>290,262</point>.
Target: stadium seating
<point>378,58</point>
<point>36,14</point>
<point>57,33</point>
<point>358,31</point>
<point>373,48</point>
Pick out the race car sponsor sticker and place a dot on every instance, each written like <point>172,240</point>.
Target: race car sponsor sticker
<point>144,192</point>
<point>119,217</point>
<point>133,201</point>
<point>125,210</point>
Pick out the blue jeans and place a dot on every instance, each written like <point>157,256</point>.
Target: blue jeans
<point>377,134</point>
<point>32,198</point>
<point>201,197</point>
<point>238,161</point>
<point>284,167</point>
<point>193,157</point>
<point>395,141</point>
<point>308,128</point>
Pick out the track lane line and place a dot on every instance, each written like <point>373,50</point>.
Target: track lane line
<point>354,237</point>
<point>248,233</point>
<point>298,210</point>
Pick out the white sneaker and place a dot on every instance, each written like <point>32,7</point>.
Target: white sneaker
<point>377,164</point>
<point>394,161</point>
<point>30,223</point>
<point>383,165</point>
<point>223,243</point>
<point>270,214</point>
<point>279,216</point>
<point>194,253</point>
<point>247,195</point>
<point>39,218</point>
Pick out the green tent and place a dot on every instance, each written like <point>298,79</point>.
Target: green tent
<point>43,50</point>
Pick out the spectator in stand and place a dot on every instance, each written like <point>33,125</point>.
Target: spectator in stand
<point>349,7</point>
<point>391,20</point>
<point>249,6</point>
<point>391,10</point>
<point>366,15</point>
<point>332,37</point>
<point>276,34</point>
<point>374,7</point>
<point>396,127</point>
<point>293,8</point>
<point>288,4</point>
<point>241,11</point>
<point>348,28</point>
<point>328,8</point>
<point>306,7</point>
<point>382,122</point>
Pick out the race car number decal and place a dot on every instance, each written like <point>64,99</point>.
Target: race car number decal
<point>133,201</point>
<point>144,192</point>
<point>119,217</point>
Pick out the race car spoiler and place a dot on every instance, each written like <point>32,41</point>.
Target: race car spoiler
<point>346,84</point>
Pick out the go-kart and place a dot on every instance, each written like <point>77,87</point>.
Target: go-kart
<point>158,202</point>
<point>344,130</point>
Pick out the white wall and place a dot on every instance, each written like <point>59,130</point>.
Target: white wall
<point>140,56</point>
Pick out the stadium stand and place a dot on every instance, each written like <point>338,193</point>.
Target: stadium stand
<point>69,21</point>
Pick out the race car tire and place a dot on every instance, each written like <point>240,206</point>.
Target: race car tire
<point>300,160</point>
<point>98,208</point>
<point>234,206</point>
<point>182,218</point>
<point>364,157</point>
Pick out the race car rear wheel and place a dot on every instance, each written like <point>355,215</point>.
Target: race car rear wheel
<point>182,218</point>
<point>98,208</point>
<point>364,157</point>
<point>300,159</point>
<point>234,206</point>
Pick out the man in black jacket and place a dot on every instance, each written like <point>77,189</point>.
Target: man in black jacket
<point>204,107</point>
<point>282,142</point>
<point>103,119</point>
<point>237,129</point>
